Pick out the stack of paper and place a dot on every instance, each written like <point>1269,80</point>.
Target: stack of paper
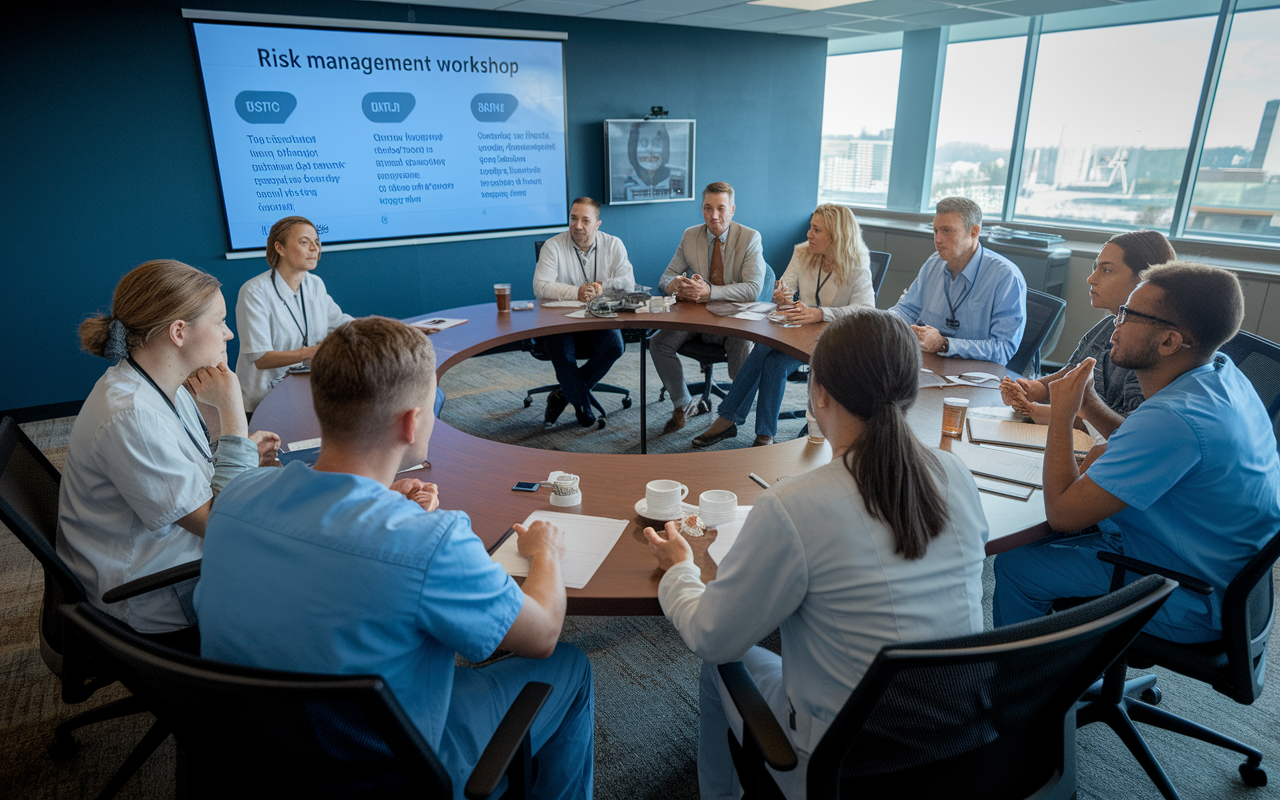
<point>587,541</point>
<point>436,323</point>
<point>1004,465</point>
<point>1021,434</point>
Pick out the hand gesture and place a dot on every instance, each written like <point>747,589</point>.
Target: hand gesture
<point>781,294</point>
<point>426,495</point>
<point>804,315</point>
<point>215,386</point>
<point>669,547</point>
<point>268,445</point>
<point>1066,394</point>
<point>696,290</point>
<point>929,337</point>
<point>540,537</point>
<point>589,290</point>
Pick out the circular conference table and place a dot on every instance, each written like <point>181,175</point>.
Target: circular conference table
<point>475,475</point>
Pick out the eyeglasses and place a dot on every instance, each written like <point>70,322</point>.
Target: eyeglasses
<point>1126,312</point>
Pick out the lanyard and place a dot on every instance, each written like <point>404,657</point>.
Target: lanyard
<point>817,293</point>
<point>302,301</point>
<point>204,450</point>
<point>595,263</point>
<point>953,321</point>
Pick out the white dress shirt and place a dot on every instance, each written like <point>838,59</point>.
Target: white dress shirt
<point>838,299</point>
<point>562,267</point>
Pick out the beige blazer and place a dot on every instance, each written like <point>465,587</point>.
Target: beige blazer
<point>744,266</point>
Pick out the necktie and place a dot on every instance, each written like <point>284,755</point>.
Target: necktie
<point>717,264</point>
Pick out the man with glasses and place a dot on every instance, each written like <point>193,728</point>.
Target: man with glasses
<point>1190,481</point>
<point>968,301</point>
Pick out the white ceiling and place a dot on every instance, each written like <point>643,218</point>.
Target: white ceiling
<point>841,22</point>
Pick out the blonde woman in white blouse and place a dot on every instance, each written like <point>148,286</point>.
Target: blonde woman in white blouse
<point>832,273</point>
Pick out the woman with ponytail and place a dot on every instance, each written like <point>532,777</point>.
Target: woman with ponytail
<point>141,473</point>
<point>882,545</point>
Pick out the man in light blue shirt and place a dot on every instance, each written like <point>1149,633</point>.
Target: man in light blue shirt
<point>341,569</point>
<point>1191,478</point>
<point>968,301</point>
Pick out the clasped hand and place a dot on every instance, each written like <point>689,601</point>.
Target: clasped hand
<point>693,290</point>
<point>424,494</point>
<point>929,337</point>
<point>589,290</point>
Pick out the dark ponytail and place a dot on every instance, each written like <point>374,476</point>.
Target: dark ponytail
<point>869,362</point>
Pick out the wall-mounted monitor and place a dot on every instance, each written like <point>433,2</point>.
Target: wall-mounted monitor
<point>649,161</point>
<point>383,131</point>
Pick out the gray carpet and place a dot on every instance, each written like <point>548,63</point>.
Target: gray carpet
<point>645,679</point>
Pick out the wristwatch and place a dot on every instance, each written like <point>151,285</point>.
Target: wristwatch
<point>946,345</point>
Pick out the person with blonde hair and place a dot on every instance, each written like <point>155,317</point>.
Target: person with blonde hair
<point>880,546</point>
<point>141,473</point>
<point>283,313</point>
<point>832,272</point>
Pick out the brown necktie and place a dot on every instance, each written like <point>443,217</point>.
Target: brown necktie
<point>717,264</point>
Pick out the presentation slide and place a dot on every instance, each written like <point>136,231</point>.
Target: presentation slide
<point>380,135</point>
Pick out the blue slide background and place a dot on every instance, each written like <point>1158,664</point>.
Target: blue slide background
<point>328,128</point>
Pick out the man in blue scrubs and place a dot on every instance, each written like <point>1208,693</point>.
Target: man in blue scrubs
<point>342,569</point>
<point>1189,482</point>
<point>968,301</point>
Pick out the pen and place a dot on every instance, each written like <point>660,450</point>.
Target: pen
<point>501,539</point>
<point>759,481</point>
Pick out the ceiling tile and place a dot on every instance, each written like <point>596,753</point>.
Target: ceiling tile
<point>674,8</point>
<point>956,16</point>
<point>487,5</point>
<point>893,8</point>
<point>558,7</point>
<point>745,13</point>
<point>879,25</point>
<point>772,25</point>
<point>629,13</point>
<point>1031,8</point>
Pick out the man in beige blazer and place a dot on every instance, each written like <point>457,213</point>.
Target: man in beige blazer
<point>719,260</point>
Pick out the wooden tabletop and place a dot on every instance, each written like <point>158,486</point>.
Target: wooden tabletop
<point>476,474</point>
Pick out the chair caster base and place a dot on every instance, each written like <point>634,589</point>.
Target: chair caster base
<point>626,402</point>
<point>1253,775</point>
<point>528,401</point>
<point>1151,696</point>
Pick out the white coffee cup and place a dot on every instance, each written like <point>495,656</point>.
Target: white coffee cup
<point>663,498</point>
<point>717,507</point>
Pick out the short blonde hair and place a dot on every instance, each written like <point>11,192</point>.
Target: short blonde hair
<point>848,252</point>
<point>368,371</point>
<point>146,301</point>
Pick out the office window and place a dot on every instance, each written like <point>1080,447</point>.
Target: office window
<point>857,128</point>
<point>975,121</point>
<point>1237,190</point>
<point>1110,123</point>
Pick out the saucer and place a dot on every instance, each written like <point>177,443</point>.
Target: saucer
<point>642,508</point>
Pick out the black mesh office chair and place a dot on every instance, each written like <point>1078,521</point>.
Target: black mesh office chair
<point>245,732</point>
<point>984,716</point>
<point>1043,311</point>
<point>29,508</point>
<point>1259,360</point>
<point>1235,665</point>
<point>629,336</point>
<point>708,355</point>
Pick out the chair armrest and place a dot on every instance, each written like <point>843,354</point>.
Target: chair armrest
<point>1125,563</point>
<point>757,717</point>
<point>156,580</point>
<point>506,742</point>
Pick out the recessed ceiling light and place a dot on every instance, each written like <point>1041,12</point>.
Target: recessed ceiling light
<point>805,5</point>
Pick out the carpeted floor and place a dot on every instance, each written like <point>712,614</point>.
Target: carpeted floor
<point>645,679</point>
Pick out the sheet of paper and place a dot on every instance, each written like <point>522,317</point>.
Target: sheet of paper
<point>561,303</point>
<point>993,486</point>
<point>579,314</point>
<point>726,535</point>
<point>752,310</point>
<point>956,380</point>
<point>587,542</point>
<point>995,412</point>
<point>434,321</point>
<point>304,444</point>
<point>1021,434</point>
<point>1002,464</point>
<point>930,379</point>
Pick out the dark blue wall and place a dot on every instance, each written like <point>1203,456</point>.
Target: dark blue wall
<point>108,163</point>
